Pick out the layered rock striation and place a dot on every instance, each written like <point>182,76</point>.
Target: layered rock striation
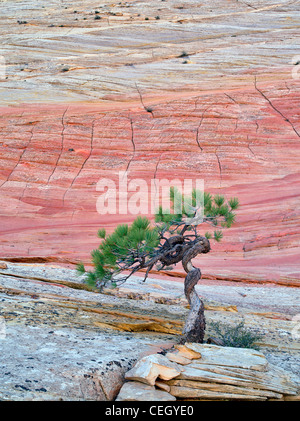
<point>53,158</point>
<point>198,91</point>
<point>61,341</point>
<point>207,372</point>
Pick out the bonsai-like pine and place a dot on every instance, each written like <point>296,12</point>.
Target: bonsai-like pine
<point>172,239</point>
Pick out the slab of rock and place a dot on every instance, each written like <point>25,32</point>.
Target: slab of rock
<point>136,391</point>
<point>187,352</point>
<point>272,380</point>
<point>203,390</point>
<point>218,378</point>
<point>260,250</point>
<point>66,363</point>
<point>226,356</point>
<point>163,386</point>
<point>151,367</point>
<point>178,358</point>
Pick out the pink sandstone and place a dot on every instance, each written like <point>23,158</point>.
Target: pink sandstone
<point>220,81</point>
<point>242,143</point>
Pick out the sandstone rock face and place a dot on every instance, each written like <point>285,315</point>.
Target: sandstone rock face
<point>178,358</point>
<point>160,49</point>
<point>225,356</point>
<point>156,91</point>
<point>149,368</point>
<point>159,92</point>
<point>66,342</point>
<point>135,391</point>
<point>223,373</point>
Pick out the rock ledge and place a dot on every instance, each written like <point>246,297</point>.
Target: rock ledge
<point>207,372</point>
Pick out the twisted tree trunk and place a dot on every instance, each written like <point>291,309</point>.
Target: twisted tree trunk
<point>194,328</point>
<point>179,248</point>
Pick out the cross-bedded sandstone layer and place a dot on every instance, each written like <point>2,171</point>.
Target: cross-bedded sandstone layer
<point>195,91</point>
<point>66,342</point>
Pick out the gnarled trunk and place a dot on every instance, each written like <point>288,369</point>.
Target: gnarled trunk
<point>194,328</point>
<point>179,248</point>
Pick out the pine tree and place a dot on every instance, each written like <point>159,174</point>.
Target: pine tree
<point>173,238</point>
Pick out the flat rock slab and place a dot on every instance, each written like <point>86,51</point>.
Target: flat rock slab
<point>204,391</point>
<point>227,357</point>
<point>135,391</point>
<point>151,367</point>
<point>219,373</point>
<point>262,297</point>
<point>274,380</point>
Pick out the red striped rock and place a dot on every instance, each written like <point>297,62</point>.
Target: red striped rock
<point>51,164</point>
<point>185,94</point>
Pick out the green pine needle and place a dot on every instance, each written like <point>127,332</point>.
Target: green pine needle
<point>101,233</point>
<point>80,268</point>
<point>234,203</point>
<point>219,200</point>
<point>218,235</point>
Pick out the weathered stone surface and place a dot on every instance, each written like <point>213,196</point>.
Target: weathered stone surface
<point>163,386</point>
<point>64,363</point>
<point>259,249</point>
<point>186,95</point>
<point>292,398</point>
<point>135,391</point>
<point>160,49</point>
<point>151,367</point>
<point>61,286</point>
<point>218,379</point>
<point>66,342</point>
<point>266,298</point>
<point>202,390</point>
<point>188,353</point>
<point>176,357</point>
<point>224,356</point>
<point>274,379</point>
